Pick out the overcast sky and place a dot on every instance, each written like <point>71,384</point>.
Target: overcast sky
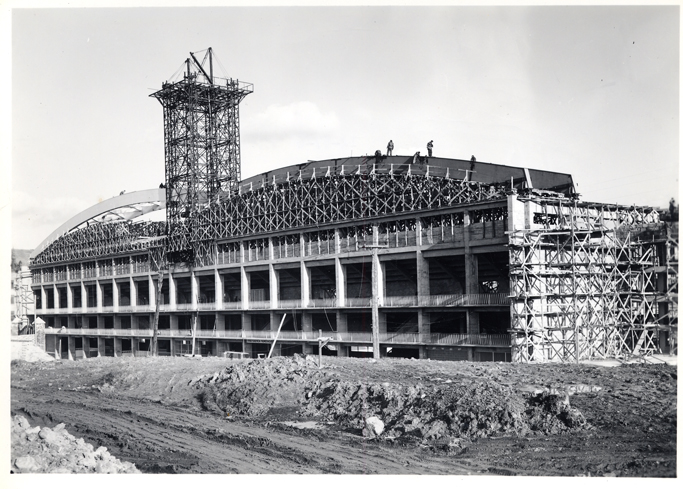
<point>591,91</point>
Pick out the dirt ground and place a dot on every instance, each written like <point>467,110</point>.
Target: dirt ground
<point>284,415</point>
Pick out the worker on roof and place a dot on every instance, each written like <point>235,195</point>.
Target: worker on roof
<point>430,146</point>
<point>390,148</point>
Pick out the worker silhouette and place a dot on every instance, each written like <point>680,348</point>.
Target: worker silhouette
<point>430,146</point>
<point>390,148</point>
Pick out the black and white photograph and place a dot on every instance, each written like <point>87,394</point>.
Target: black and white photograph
<point>340,239</point>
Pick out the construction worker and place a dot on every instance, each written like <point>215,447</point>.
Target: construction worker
<point>430,146</point>
<point>390,148</point>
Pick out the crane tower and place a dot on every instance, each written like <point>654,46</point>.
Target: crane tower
<point>202,146</point>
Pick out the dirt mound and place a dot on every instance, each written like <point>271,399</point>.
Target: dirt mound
<point>28,352</point>
<point>254,388</point>
<point>467,409</point>
<point>43,450</point>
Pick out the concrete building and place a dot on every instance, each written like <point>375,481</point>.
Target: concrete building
<point>449,259</point>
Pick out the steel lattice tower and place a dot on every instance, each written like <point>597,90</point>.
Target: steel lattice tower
<point>202,146</point>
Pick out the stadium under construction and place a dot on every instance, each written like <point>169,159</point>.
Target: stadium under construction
<point>407,256</point>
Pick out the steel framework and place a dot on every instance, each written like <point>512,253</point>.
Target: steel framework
<point>583,283</point>
<point>202,145</point>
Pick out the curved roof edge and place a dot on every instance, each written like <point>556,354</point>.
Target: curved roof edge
<point>125,200</point>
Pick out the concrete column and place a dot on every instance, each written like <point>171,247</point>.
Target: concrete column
<point>98,293</point>
<point>340,276</point>
<point>133,291</point>
<point>275,319</point>
<point>55,295</point>
<point>246,322</point>
<point>245,286</point>
<point>172,290</point>
<point>271,251</point>
<point>382,323</point>
<point>306,322</point>
<point>274,283</point>
<point>218,284</point>
<point>471,273</point>
<point>342,325</point>
<point>305,284</point>
<point>194,287</point>
<point>423,325</point>
<point>246,348</point>
<point>342,351</point>
<point>152,291</point>
<point>418,231</point>
<point>84,296</point>
<point>472,322</point>
<point>422,275</point>
<point>69,297</point>
<point>220,322</point>
<point>43,297</point>
<point>337,242</point>
<point>115,292</point>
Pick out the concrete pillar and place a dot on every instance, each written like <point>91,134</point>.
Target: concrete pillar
<point>220,322</point>
<point>274,283</point>
<point>115,292</point>
<point>133,292</point>
<point>43,297</point>
<point>98,293</point>
<point>245,286</point>
<point>305,284</point>
<point>418,231</point>
<point>382,323</point>
<point>306,322</point>
<point>218,284</point>
<point>246,348</point>
<point>69,298</point>
<point>340,276</point>
<point>471,276</point>
<point>246,322</point>
<point>55,295</point>
<point>194,290</point>
<point>422,275</point>
<point>472,322</point>
<point>172,291</point>
<point>152,291</point>
<point>342,351</point>
<point>342,325</point>
<point>275,319</point>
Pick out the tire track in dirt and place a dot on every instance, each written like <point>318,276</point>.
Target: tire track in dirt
<point>165,438</point>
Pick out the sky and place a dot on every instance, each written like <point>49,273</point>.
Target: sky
<point>591,91</point>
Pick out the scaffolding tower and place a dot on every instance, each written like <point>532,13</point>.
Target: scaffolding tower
<point>583,280</point>
<point>202,146</point>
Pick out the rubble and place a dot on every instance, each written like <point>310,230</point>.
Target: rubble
<point>39,450</point>
<point>465,409</point>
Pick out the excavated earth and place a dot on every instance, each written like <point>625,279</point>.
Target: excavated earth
<point>286,415</point>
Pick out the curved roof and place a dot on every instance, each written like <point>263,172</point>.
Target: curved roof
<point>122,207</point>
<point>474,171</point>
